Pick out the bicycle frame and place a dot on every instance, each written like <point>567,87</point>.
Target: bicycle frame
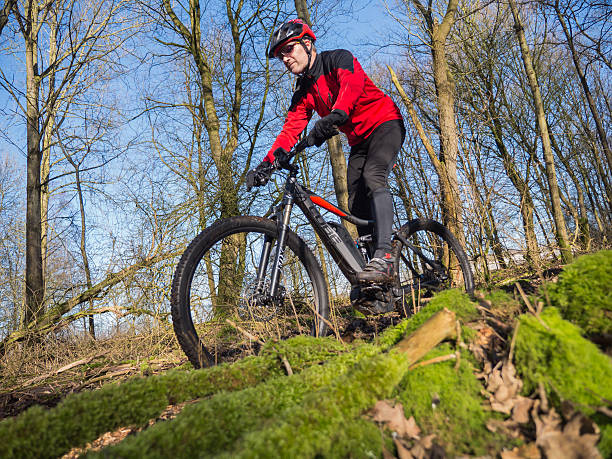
<point>307,202</point>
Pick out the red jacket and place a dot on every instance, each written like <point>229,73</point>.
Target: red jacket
<point>336,81</point>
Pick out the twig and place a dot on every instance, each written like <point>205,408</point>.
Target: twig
<point>543,398</point>
<point>525,299</point>
<point>286,364</point>
<point>529,306</point>
<point>329,324</point>
<point>486,304</point>
<point>113,374</point>
<point>441,358</point>
<point>62,369</point>
<point>244,332</point>
<point>293,308</point>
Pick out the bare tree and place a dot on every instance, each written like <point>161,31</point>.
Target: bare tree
<point>601,132</point>
<point>437,28</point>
<point>74,36</point>
<point>551,175</point>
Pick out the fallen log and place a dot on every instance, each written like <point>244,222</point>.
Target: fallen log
<point>52,319</point>
<point>440,326</point>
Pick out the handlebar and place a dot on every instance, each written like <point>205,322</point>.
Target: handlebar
<point>300,146</point>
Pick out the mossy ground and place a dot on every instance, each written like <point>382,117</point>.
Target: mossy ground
<point>583,293</point>
<point>252,409</point>
<point>319,412</point>
<point>40,432</point>
<point>570,367</point>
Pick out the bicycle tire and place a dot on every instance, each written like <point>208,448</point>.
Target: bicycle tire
<point>436,242</point>
<point>198,269</point>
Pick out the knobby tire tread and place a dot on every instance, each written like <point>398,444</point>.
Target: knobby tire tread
<point>184,329</point>
<point>424,224</point>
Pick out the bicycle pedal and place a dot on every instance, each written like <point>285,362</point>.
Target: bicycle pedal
<point>372,307</point>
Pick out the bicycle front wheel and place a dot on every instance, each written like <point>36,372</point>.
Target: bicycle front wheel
<point>429,259</point>
<point>219,310</point>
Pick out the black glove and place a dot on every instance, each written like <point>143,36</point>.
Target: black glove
<point>282,158</point>
<point>260,175</point>
<point>326,127</point>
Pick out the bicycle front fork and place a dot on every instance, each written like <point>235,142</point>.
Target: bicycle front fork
<point>283,216</point>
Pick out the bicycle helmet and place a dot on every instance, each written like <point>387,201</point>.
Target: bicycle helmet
<point>293,30</point>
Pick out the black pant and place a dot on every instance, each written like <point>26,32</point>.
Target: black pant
<point>369,165</point>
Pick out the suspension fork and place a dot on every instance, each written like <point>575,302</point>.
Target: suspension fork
<point>282,221</point>
<point>282,217</point>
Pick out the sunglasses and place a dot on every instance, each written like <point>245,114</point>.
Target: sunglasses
<point>286,50</point>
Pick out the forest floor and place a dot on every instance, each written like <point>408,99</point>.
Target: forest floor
<point>484,393</point>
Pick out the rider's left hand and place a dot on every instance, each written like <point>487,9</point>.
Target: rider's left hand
<point>326,127</point>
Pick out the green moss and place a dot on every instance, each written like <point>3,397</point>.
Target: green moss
<point>583,293</point>
<point>570,367</point>
<point>82,417</point>
<point>454,300</point>
<point>316,428</point>
<point>448,402</point>
<point>214,425</point>
<point>605,442</point>
<point>503,302</point>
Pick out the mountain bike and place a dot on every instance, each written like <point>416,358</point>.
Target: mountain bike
<point>245,276</point>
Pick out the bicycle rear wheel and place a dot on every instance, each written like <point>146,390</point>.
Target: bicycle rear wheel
<point>218,311</point>
<point>429,259</point>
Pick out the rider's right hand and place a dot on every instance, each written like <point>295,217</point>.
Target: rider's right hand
<point>282,158</point>
<point>260,175</point>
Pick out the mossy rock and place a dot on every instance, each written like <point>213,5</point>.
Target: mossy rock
<point>569,366</point>
<point>583,293</point>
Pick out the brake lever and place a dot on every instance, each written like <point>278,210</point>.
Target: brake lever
<point>300,146</point>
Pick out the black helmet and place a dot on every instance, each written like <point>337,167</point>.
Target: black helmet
<point>296,29</point>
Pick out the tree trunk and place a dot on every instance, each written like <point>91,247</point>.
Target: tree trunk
<point>451,201</point>
<point>5,12</point>
<point>34,287</point>
<point>551,175</point>
<point>601,132</point>
<point>338,166</point>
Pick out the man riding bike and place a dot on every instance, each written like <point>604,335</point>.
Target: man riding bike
<point>333,84</point>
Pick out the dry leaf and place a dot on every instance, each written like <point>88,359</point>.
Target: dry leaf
<point>402,450</point>
<point>393,418</point>
<point>520,410</point>
<point>529,451</point>
<point>576,440</point>
<point>417,451</point>
<point>504,387</point>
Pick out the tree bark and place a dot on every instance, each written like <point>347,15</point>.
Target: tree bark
<point>445,165</point>
<point>442,325</point>
<point>339,168</point>
<point>551,175</point>
<point>450,202</point>
<point>34,286</point>
<point>5,12</point>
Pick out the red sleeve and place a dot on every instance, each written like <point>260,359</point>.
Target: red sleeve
<point>296,121</point>
<point>352,80</point>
